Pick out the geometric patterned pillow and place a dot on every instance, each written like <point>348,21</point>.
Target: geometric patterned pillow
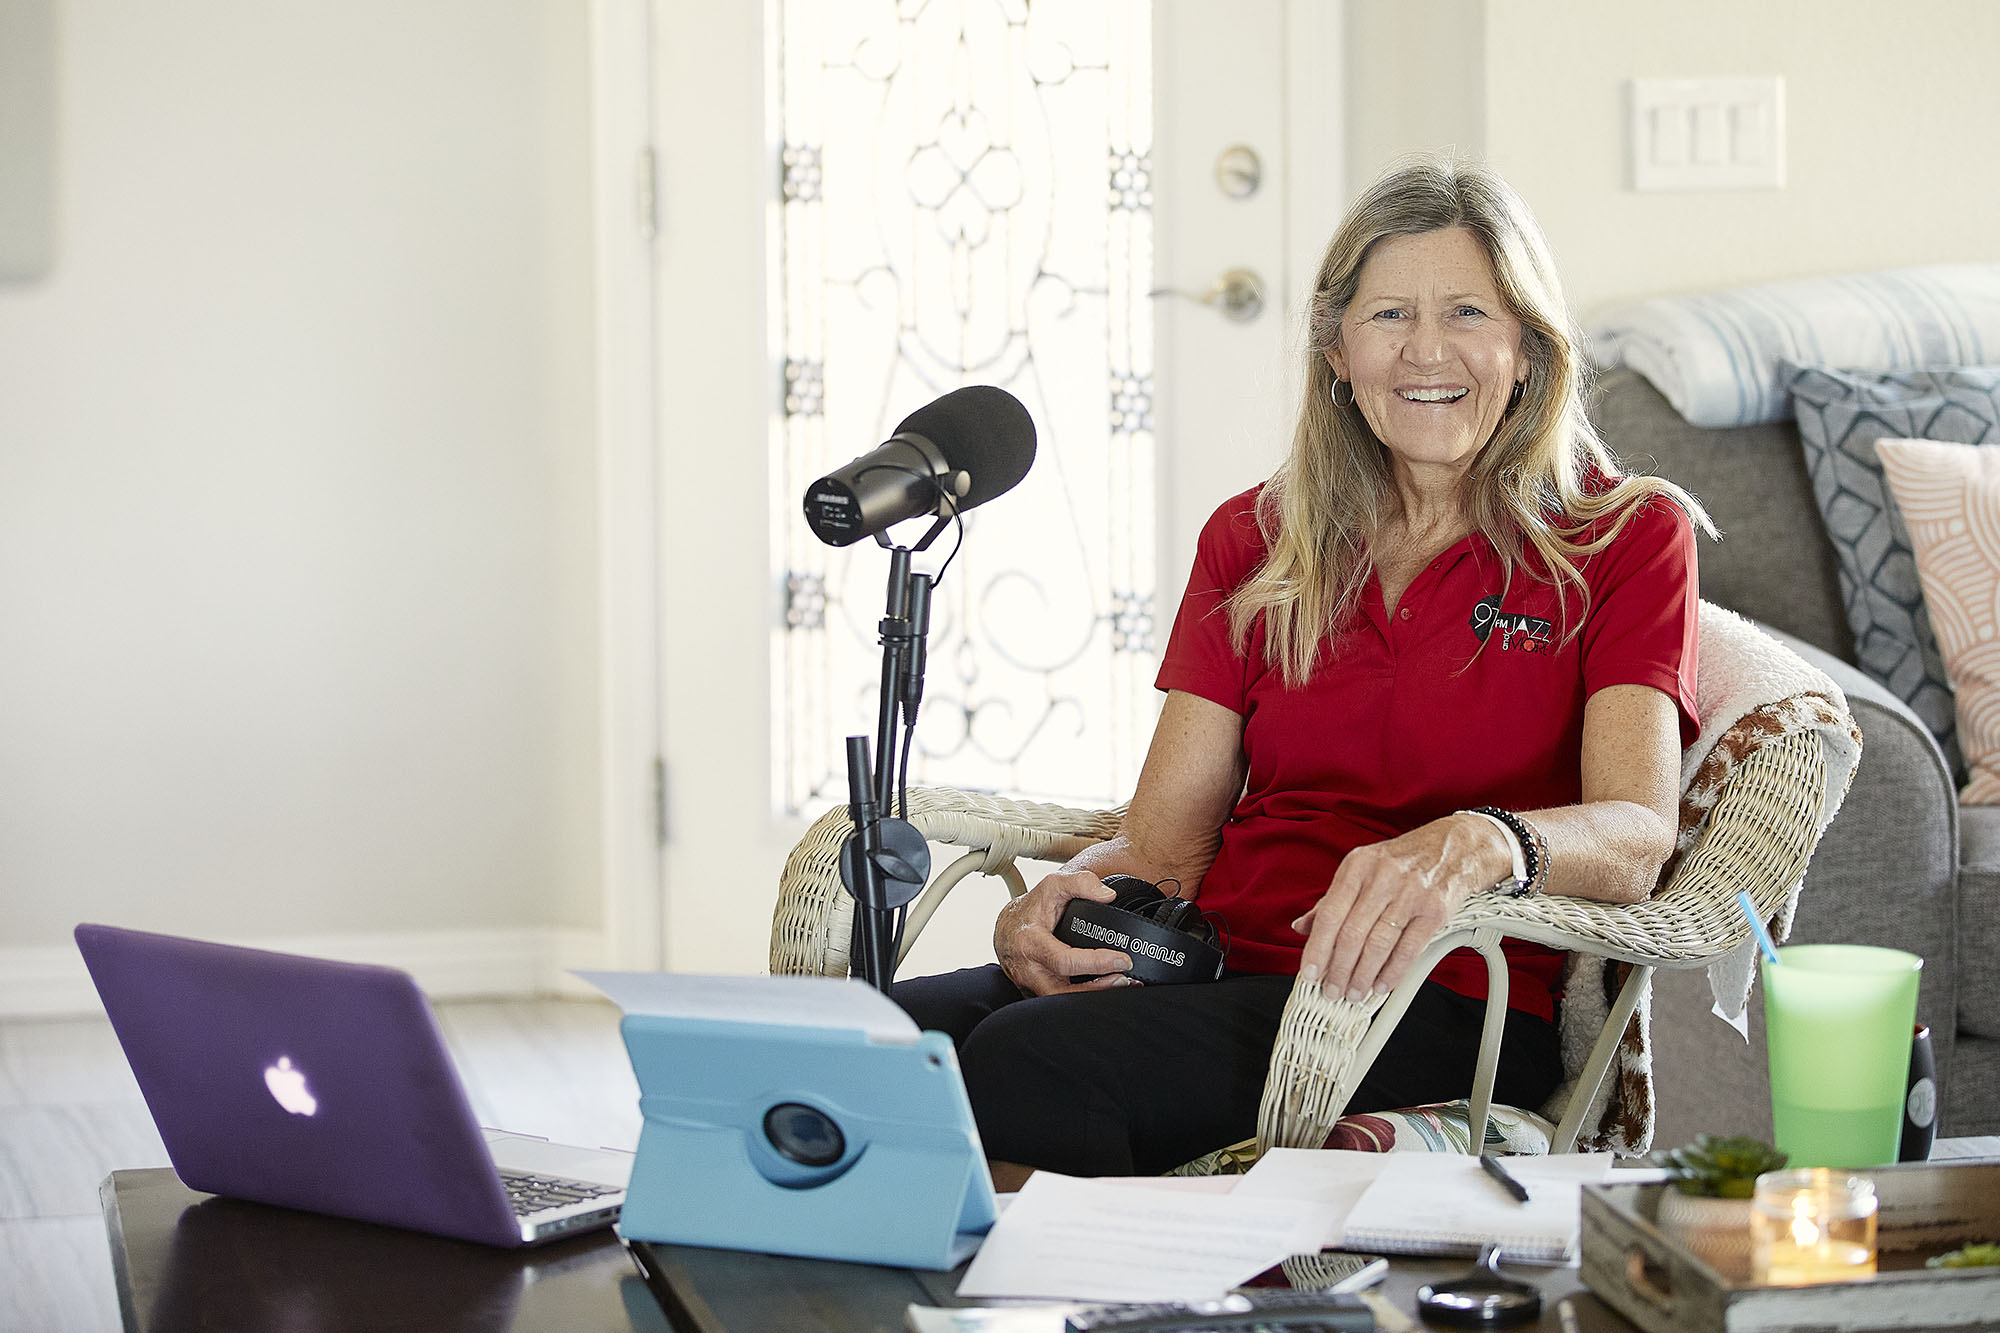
<point>1841,414</point>
<point>1949,497</point>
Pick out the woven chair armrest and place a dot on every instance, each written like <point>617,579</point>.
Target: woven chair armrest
<point>1758,838</point>
<point>1312,1071</point>
<point>810,927</point>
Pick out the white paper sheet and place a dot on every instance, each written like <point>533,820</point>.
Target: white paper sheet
<point>818,1002</point>
<point>1175,1184</point>
<point>1440,1191</point>
<point>1335,1177</point>
<point>1066,1238</point>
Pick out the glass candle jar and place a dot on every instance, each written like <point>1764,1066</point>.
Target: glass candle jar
<point>1812,1225</point>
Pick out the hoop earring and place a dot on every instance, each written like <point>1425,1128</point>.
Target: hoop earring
<point>1514,400</point>
<point>1334,393</point>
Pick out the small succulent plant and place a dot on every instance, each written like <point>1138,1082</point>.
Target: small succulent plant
<point>1720,1168</point>
<point>1970,1256</point>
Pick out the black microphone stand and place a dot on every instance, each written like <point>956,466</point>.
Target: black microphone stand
<point>885,861</point>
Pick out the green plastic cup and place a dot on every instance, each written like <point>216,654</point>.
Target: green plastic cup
<point>1837,1021</point>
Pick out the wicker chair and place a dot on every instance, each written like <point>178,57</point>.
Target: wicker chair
<point>1757,792</point>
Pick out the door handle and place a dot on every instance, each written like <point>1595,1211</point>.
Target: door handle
<point>1237,294</point>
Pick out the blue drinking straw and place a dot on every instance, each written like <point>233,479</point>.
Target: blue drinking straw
<point>1757,926</point>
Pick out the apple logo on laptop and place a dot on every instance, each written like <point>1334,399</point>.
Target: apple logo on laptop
<point>288,1087</point>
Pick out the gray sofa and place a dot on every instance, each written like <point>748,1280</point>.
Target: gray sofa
<point>1902,865</point>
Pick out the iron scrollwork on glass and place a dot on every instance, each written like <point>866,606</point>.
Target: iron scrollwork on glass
<point>966,197</point>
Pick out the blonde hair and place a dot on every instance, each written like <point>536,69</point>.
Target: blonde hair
<point>1323,510</point>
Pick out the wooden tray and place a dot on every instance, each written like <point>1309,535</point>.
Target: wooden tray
<point>1925,1209</point>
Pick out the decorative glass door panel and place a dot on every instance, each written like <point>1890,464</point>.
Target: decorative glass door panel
<point>966,198</point>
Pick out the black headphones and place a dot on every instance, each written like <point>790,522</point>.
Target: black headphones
<point>1169,940</point>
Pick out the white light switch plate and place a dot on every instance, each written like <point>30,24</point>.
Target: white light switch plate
<point>1708,134</point>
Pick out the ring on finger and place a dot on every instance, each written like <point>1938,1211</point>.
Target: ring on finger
<point>1385,921</point>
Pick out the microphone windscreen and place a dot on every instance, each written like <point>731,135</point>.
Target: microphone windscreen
<point>983,432</point>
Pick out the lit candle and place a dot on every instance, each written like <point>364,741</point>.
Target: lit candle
<point>1812,1225</point>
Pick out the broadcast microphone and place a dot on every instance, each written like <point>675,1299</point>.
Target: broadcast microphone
<point>957,453</point>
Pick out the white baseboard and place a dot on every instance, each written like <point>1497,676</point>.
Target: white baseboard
<point>448,964</point>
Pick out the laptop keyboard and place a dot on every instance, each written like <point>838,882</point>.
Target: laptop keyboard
<point>531,1194</point>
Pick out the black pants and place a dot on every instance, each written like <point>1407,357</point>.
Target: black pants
<point>1136,1080</point>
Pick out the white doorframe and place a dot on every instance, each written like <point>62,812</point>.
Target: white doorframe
<point>669,892</point>
<point>716,376</point>
<point>1229,427</point>
<point>629,555</point>
<point>1315,143</point>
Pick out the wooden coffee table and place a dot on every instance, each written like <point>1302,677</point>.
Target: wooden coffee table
<point>184,1259</point>
<point>189,1260</point>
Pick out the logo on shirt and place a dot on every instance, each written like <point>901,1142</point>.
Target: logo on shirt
<point>1530,634</point>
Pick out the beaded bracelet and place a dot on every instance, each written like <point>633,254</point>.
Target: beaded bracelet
<point>1534,849</point>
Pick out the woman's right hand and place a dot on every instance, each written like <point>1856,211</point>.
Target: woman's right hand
<point>1034,959</point>
<point>1171,831</point>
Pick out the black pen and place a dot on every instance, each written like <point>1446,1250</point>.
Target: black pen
<point>1491,1165</point>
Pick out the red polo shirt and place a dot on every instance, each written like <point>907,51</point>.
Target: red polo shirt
<point>1466,695</point>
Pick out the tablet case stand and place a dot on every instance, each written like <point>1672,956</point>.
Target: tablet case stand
<point>809,1141</point>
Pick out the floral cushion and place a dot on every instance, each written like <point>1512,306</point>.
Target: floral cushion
<point>1443,1127</point>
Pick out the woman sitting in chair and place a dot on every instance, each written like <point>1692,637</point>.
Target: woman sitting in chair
<point>1447,598</point>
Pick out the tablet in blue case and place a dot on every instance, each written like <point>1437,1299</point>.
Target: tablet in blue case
<point>824,1142</point>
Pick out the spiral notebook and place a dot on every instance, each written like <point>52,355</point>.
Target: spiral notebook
<point>1442,1203</point>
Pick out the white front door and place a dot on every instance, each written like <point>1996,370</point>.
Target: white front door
<point>1256,75</point>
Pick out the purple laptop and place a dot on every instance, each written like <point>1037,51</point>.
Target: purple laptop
<point>326,1086</point>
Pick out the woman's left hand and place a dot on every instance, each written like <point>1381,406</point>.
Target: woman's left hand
<point>1389,899</point>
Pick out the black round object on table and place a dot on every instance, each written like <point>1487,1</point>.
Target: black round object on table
<point>1480,1299</point>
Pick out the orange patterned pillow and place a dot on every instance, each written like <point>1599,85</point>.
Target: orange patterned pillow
<point>1949,496</point>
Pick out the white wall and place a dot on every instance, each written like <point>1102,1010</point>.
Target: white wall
<point>298,636</point>
<point>1416,78</point>
<point>297,491</point>
<point>1890,110</point>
